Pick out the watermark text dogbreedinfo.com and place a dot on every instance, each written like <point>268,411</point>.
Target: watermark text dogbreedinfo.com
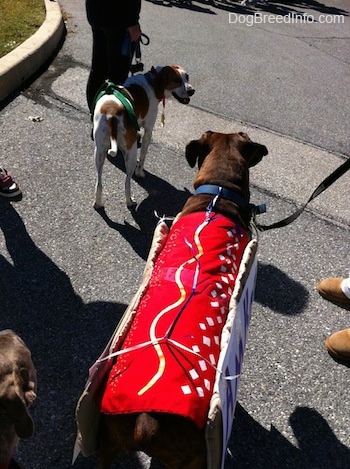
<point>291,18</point>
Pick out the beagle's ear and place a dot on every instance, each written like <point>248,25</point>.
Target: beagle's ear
<point>253,152</point>
<point>198,150</point>
<point>15,400</point>
<point>163,79</point>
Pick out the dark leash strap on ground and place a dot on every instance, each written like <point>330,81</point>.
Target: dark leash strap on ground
<point>328,181</point>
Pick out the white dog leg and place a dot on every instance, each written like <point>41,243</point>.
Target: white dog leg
<point>146,140</point>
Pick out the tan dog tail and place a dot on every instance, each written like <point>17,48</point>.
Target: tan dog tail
<point>145,428</point>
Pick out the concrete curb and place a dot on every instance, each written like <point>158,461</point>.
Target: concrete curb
<point>23,62</point>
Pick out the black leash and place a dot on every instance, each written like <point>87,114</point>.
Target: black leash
<point>133,50</point>
<point>138,65</point>
<point>319,189</point>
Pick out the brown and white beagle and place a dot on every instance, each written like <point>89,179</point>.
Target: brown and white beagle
<point>17,393</point>
<point>156,395</point>
<point>114,129</point>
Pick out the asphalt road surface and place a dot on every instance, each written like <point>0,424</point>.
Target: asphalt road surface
<point>67,273</point>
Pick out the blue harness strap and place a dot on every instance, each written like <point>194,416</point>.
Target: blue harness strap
<point>110,88</point>
<point>225,194</point>
<point>232,196</point>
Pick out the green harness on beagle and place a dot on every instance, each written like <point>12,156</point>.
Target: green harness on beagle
<point>119,92</point>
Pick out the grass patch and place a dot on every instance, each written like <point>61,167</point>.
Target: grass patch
<point>19,19</point>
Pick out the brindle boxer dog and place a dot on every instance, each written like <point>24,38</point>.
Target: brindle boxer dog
<point>221,200</point>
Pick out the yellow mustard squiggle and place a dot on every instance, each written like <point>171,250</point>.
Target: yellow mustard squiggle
<point>157,347</point>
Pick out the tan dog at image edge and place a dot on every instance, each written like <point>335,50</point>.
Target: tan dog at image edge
<point>17,392</point>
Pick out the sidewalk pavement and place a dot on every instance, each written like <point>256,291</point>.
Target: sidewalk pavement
<point>22,63</point>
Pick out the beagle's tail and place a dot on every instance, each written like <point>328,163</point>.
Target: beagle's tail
<point>114,120</point>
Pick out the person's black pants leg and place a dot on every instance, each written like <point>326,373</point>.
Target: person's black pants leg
<point>107,62</point>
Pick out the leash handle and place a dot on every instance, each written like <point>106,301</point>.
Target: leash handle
<point>136,52</point>
<point>144,39</point>
<point>328,181</point>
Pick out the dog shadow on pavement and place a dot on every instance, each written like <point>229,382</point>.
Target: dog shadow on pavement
<point>163,200</point>
<point>254,447</point>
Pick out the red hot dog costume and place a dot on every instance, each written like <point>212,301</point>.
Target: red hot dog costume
<point>167,362</point>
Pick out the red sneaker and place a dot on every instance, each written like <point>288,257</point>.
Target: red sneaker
<point>8,187</point>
